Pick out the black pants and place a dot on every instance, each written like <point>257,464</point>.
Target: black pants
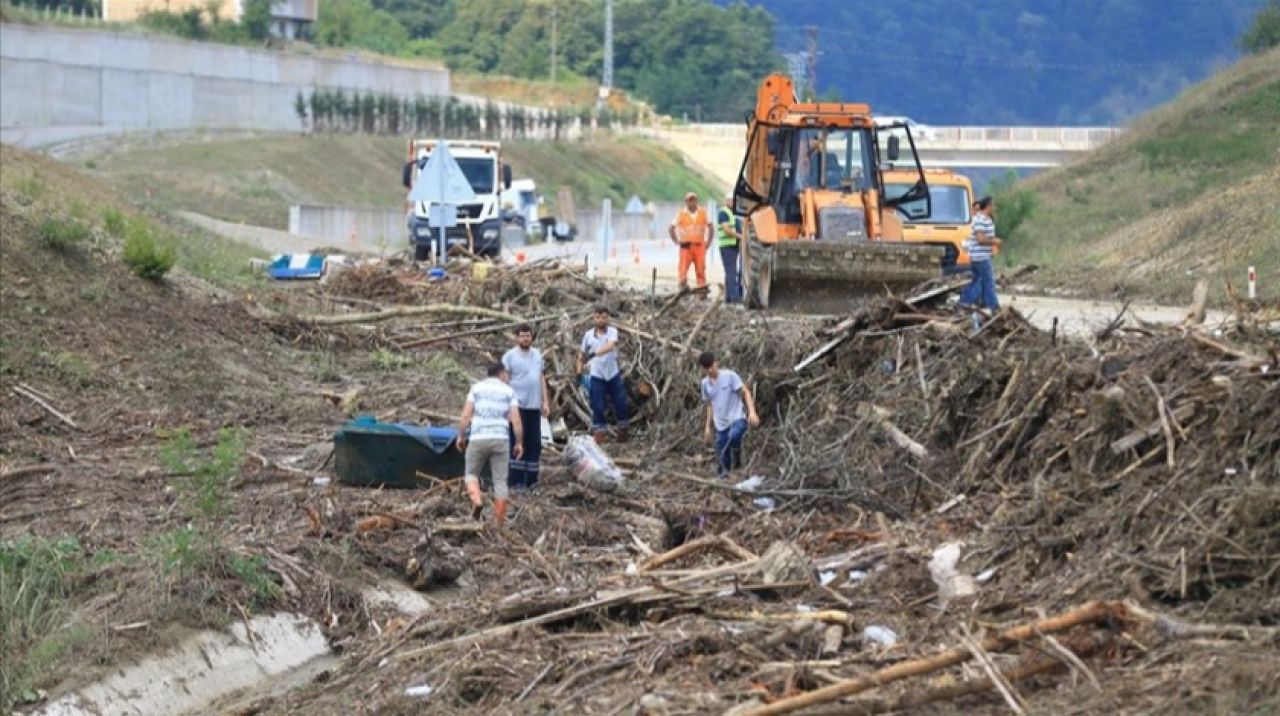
<point>523,472</point>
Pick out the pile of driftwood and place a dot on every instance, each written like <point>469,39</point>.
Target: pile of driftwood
<point>1138,466</point>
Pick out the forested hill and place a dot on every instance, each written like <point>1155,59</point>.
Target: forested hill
<point>1069,62</point>
<point>685,57</point>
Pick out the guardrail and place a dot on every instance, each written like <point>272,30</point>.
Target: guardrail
<point>929,135</point>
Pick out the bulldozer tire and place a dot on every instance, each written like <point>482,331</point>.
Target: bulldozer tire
<point>758,265</point>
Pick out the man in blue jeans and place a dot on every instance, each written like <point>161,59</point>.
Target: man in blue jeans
<point>981,291</point>
<point>599,355</point>
<point>729,408</point>
<point>729,239</point>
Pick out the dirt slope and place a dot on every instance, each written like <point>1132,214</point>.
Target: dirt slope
<point>1188,192</point>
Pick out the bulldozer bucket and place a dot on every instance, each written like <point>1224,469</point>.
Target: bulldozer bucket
<point>836,276</point>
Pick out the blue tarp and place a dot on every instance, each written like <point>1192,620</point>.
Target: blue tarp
<point>438,439</point>
<point>295,266</point>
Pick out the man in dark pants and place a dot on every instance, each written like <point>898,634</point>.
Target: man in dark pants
<point>524,363</point>
<point>729,239</point>
<point>599,355</point>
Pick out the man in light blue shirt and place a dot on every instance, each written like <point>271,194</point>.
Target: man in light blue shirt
<point>730,408</point>
<point>524,363</point>
<point>599,355</point>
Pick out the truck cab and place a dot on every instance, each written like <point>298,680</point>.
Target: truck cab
<point>479,227</point>
<point>951,197</point>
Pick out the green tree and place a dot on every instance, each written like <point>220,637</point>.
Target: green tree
<point>1014,205</point>
<point>256,19</point>
<point>1264,33</point>
<point>356,23</point>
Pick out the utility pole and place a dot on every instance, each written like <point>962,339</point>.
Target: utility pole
<point>553,41</point>
<point>606,80</point>
<point>811,60</point>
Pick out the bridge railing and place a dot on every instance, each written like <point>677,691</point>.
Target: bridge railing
<point>1069,137</point>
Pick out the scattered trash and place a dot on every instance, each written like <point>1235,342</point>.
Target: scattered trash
<point>944,507</point>
<point>590,465</point>
<point>857,575</point>
<point>436,273</point>
<point>985,576</point>
<point>631,569</point>
<point>805,609</point>
<point>942,568</point>
<point>423,690</point>
<point>827,577</point>
<point>750,484</point>
<point>1230,471</point>
<point>765,503</point>
<point>883,636</point>
<point>320,481</point>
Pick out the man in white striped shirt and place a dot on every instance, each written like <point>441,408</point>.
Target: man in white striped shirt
<point>981,291</point>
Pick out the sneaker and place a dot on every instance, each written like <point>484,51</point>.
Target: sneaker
<point>476,511</point>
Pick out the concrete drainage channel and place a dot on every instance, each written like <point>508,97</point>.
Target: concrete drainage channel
<point>220,670</point>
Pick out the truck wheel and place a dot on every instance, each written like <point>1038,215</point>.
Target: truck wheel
<point>421,252</point>
<point>758,269</point>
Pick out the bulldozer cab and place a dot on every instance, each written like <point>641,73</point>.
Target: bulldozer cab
<point>821,231</point>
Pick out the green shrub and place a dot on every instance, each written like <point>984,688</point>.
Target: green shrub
<point>36,577</point>
<point>1014,205</point>
<point>148,256</point>
<point>114,222</point>
<point>1264,33</point>
<point>204,482</point>
<point>63,234</point>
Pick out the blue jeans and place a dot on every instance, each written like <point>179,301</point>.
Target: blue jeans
<point>616,392</point>
<point>732,278</point>
<point>729,446</point>
<point>981,290</point>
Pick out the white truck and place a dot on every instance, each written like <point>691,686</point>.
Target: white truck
<point>479,226</point>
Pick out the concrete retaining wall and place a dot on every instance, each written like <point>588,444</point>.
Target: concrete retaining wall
<point>350,224</point>
<point>55,78</point>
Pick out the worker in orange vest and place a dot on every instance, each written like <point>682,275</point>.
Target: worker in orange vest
<point>692,232</point>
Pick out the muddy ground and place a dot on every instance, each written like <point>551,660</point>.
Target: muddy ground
<point>1140,471</point>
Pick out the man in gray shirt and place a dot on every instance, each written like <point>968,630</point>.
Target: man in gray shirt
<point>730,408</point>
<point>599,354</point>
<point>524,363</point>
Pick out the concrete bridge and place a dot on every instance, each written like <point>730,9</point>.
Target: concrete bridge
<point>717,149</point>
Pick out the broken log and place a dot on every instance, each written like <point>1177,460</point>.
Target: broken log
<point>1134,438</point>
<point>1090,613</point>
<point>881,417</point>
<point>29,393</point>
<point>405,312</point>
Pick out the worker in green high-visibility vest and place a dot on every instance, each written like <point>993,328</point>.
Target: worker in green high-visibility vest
<point>729,238</point>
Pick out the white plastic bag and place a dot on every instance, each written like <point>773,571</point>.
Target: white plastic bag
<point>590,465</point>
<point>943,570</point>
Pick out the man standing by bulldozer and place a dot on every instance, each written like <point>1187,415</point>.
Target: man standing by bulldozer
<point>981,291</point>
<point>691,231</point>
<point>729,239</point>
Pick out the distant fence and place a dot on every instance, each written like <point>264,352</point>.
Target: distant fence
<point>368,226</point>
<point>101,81</point>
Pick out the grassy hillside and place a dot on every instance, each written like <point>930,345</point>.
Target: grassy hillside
<point>1190,191</point>
<point>255,179</point>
